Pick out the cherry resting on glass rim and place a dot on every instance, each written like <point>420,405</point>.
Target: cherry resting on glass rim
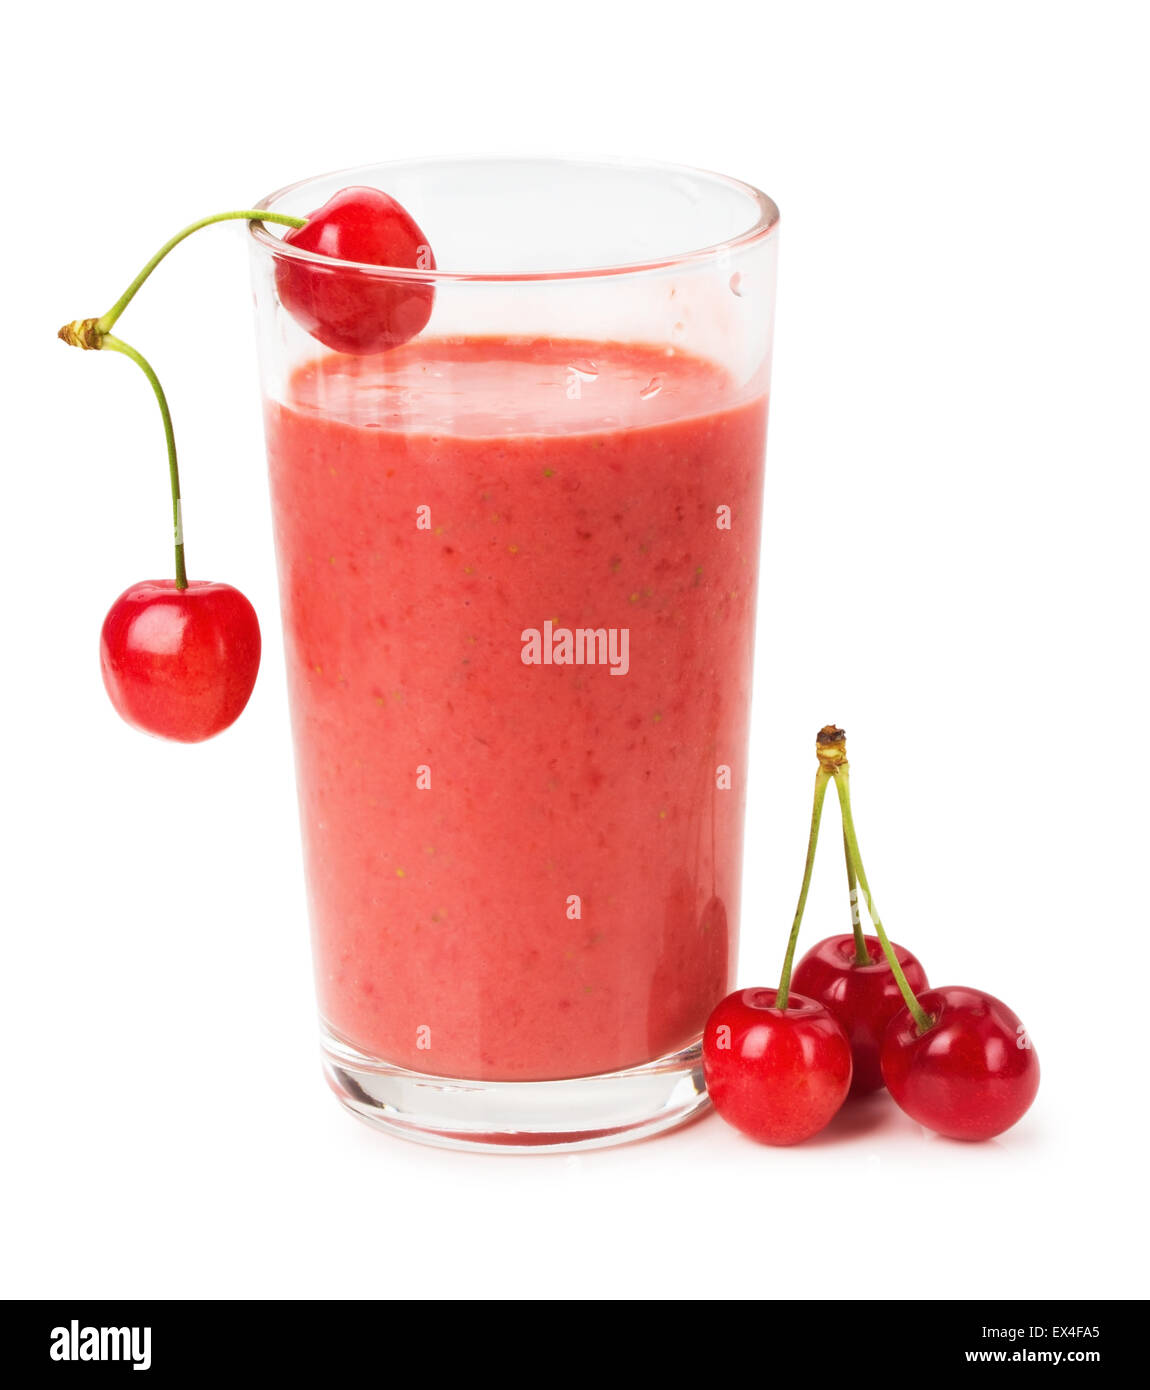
<point>180,663</point>
<point>864,998</point>
<point>353,311</point>
<point>971,1075</point>
<point>779,1075</point>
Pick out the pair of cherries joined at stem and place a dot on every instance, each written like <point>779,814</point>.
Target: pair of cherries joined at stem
<point>855,1014</point>
<point>179,658</point>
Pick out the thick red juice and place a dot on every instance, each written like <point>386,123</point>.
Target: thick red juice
<point>518,583</point>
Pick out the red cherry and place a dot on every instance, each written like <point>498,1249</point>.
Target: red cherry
<point>180,663</point>
<point>355,311</point>
<point>779,1075</point>
<point>864,998</point>
<point>970,1076</point>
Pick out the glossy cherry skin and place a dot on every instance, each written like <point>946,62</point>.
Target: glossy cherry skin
<point>864,998</point>
<point>972,1075</point>
<point>779,1075</point>
<point>180,664</point>
<point>355,311</point>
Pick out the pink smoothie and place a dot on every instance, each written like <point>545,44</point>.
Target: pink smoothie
<point>520,867</point>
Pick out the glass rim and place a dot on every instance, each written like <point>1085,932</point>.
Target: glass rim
<point>764,224</point>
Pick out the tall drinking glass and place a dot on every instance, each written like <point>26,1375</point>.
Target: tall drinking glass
<point>518,559</point>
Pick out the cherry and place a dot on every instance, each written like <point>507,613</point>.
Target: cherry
<point>864,998</point>
<point>355,311</point>
<point>180,663</point>
<point>778,1065</point>
<point>777,1074</point>
<point>971,1075</point>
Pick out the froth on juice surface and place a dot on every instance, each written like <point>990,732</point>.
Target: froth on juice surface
<point>519,869</point>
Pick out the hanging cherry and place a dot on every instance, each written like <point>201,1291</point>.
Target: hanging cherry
<point>179,659</point>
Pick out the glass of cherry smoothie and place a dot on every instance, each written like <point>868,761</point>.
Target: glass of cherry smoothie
<point>518,559</point>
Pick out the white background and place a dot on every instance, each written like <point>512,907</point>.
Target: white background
<point>954,570</point>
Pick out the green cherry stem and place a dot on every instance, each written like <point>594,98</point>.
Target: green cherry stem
<point>822,777</point>
<point>862,955</point>
<point>105,322</point>
<point>94,334</point>
<point>922,1019</point>
<point>89,333</point>
<point>118,345</point>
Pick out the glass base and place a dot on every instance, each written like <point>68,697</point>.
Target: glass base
<point>587,1112</point>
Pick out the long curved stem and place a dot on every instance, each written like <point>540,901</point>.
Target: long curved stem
<point>94,334</point>
<point>105,322</point>
<point>822,777</point>
<point>922,1019</point>
<point>118,345</point>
